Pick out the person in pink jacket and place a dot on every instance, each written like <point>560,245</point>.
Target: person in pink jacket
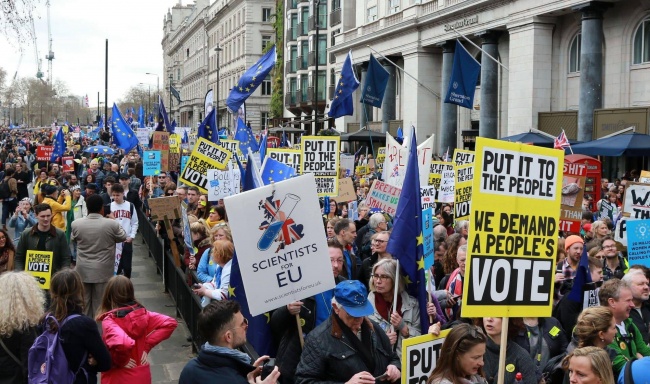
<point>130,332</point>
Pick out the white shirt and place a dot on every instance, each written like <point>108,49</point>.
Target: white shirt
<point>122,214</point>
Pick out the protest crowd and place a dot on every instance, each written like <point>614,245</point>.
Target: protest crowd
<point>74,217</point>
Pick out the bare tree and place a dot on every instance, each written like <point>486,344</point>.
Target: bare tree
<point>16,17</point>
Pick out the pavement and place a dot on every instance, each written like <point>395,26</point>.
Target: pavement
<point>168,358</point>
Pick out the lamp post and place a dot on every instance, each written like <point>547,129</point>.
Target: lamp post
<point>216,104</point>
<point>157,80</point>
<point>148,102</point>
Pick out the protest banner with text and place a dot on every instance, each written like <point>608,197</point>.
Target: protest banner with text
<point>150,163</point>
<point>39,265</point>
<point>463,156</point>
<point>638,242</point>
<point>44,152</point>
<point>160,142</point>
<point>420,355</point>
<point>573,189</point>
<point>381,158</point>
<point>346,191</point>
<point>513,230</point>
<point>282,253</point>
<point>206,155</point>
<point>222,183</point>
<point>383,196</point>
<point>143,136</point>
<point>320,156</point>
<point>463,191</point>
<point>347,165</point>
<point>397,158</point>
<point>289,157</point>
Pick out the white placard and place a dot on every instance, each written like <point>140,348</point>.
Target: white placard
<point>222,183</point>
<point>281,246</point>
<point>143,136</point>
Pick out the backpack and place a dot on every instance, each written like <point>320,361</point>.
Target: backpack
<point>46,362</point>
<point>5,192</point>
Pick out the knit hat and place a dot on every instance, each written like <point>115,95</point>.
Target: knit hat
<point>572,240</point>
<point>49,189</point>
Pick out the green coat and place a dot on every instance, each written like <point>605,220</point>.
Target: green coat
<point>626,351</point>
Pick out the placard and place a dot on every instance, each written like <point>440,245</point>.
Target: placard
<point>383,196</point>
<point>397,158</point>
<point>463,156</point>
<point>150,163</point>
<point>463,191</point>
<point>636,202</point>
<point>320,156</point>
<point>44,152</point>
<point>67,164</point>
<point>161,207</point>
<point>513,230</point>
<point>206,155</point>
<point>160,142</point>
<point>286,156</point>
<point>184,160</point>
<point>221,184</point>
<point>420,355</point>
<point>233,146</point>
<point>381,158</point>
<point>346,191</point>
<point>174,152</point>
<point>281,250</point>
<point>39,265</point>
<point>573,189</point>
<point>143,136</point>
<point>638,242</point>
<point>644,177</point>
<point>427,235</point>
<point>347,165</point>
<point>428,197</point>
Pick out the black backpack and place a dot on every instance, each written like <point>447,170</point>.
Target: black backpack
<point>5,192</point>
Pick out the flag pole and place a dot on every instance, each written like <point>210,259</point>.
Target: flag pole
<point>479,48</point>
<point>408,74</point>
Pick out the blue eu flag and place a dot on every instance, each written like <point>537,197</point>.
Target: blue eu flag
<point>581,278</point>
<point>464,75</point>
<point>251,176</point>
<point>375,83</point>
<point>262,146</point>
<point>208,127</point>
<point>163,114</point>
<point>185,138</point>
<point>59,146</point>
<point>141,117</point>
<point>342,103</point>
<point>274,171</point>
<point>251,79</point>
<point>405,241</point>
<point>245,136</point>
<point>123,135</point>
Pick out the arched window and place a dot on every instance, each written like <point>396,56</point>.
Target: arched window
<point>574,54</point>
<point>642,43</point>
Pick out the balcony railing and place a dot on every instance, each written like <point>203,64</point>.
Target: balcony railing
<point>302,29</point>
<point>330,92</point>
<point>321,25</point>
<point>335,17</point>
<point>292,35</point>
<point>293,65</point>
<point>290,98</point>
<point>322,58</point>
<point>298,96</point>
<point>299,63</point>
<point>332,58</point>
<point>310,94</point>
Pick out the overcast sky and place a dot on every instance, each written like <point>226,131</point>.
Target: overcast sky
<point>79,31</point>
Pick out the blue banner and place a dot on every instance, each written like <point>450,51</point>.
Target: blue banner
<point>464,76</point>
<point>638,242</point>
<point>184,160</point>
<point>374,84</point>
<point>151,163</point>
<point>427,233</point>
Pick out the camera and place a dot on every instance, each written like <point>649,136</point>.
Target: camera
<point>267,368</point>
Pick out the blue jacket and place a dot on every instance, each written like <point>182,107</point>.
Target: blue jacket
<point>20,223</point>
<point>207,267</point>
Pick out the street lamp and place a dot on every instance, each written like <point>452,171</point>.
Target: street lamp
<point>148,101</point>
<point>216,104</point>
<point>157,80</point>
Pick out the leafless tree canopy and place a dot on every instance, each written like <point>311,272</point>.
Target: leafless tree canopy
<point>16,18</point>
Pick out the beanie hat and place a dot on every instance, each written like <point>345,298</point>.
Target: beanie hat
<point>572,240</point>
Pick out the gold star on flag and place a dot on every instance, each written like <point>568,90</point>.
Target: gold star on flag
<point>340,91</point>
<point>407,281</point>
<point>254,78</point>
<point>421,263</point>
<point>241,89</point>
<point>341,83</point>
<point>280,171</point>
<point>270,178</point>
<point>268,317</point>
<point>271,171</point>
<point>231,291</point>
<point>420,239</point>
<point>248,89</point>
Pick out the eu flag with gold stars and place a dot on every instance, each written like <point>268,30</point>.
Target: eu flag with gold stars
<point>59,147</point>
<point>246,137</point>
<point>274,171</point>
<point>342,103</point>
<point>251,79</point>
<point>405,242</point>
<point>123,135</point>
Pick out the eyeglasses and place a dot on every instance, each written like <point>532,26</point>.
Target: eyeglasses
<point>379,241</point>
<point>244,325</point>
<point>381,277</point>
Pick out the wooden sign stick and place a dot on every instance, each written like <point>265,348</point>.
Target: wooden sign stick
<point>172,242</point>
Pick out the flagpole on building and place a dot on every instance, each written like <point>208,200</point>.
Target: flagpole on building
<point>479,48</point>
<point>402,69</point>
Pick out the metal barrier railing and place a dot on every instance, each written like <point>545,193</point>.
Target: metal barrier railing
<point>188,305</point>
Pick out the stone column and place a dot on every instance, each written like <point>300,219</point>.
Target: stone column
<point>365,110</point>
<point>419,105</point>
<point>388,104</point>
<point>591,67</point>
<point>489,113</point>
<point>448,112</point>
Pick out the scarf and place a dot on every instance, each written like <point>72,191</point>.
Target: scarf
<point>233,353</point>
<point>363,346</point>
<point>383,307</point>
<point>455,287</point>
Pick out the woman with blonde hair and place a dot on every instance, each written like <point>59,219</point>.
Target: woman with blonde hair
<point>206,266</point>
<point>21,309</point>
<point>599,230</point>
<point>589,365</point>
<point>595,327</point>
<point>217,289</point>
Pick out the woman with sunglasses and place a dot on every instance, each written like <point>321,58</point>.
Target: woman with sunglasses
<point>462,362</point>
<point>399,320</point>
<point>518,360</point>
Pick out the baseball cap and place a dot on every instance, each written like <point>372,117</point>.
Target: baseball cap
<point>353,297</point>
<point>91,186</point>
<point>124,176</point>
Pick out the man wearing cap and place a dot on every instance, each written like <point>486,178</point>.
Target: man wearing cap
<point>60,204</point>
<point>130,195</point>
<point>91,189</point>
<point>348,347</point>
<point>566,269</point>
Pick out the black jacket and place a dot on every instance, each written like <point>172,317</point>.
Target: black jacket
<point>517,360</point>
<point>329,357</point>
<point>283,326</point>
<point>212,367</point>
<point>554,336</point>
<point>567,312</point>
<point>133,197</point>
<point>18,344</point>
<point>642,321</point>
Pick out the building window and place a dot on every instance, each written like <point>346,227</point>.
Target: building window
<point>574,54</point>
<point>393,6</point>
<point>266,86</point>
<point>266,15</point>
<point>642,43</point>
<point>372,14</point>
<point>264,120</point>
<point>336,4</point>
<point>266,41</point>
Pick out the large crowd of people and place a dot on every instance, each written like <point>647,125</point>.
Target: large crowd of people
<point>87,214</point>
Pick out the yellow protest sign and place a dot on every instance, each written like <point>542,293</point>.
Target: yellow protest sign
<point>361,170</point>
<point>420,355</point>
<point>463,156</point>
<point>233,146</point>
<point>286,156</point>
<point>381,157</point>
<point>320,156</point>
<point>205,155</point>
<point>39,265</point>
<point>513,232</point>
<point>463,191</point>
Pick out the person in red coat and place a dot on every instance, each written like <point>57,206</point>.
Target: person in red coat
<point>130,332</point>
